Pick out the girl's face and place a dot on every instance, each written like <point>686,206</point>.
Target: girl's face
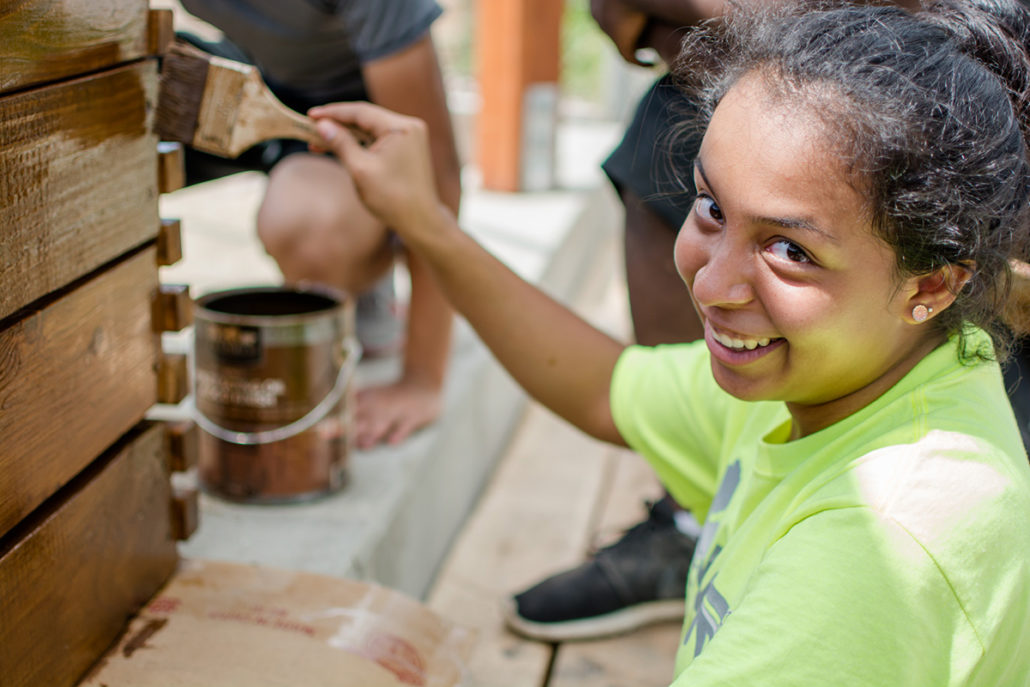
<point>798,298</point>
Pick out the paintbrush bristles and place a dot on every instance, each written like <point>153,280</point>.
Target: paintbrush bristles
<point>183,74</point>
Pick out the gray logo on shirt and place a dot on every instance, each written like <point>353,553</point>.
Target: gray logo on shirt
<point>711,607</point>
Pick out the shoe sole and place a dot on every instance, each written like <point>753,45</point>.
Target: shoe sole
<point>607,625</point>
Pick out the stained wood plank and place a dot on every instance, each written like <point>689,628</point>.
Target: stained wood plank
<point>78,179</point>
<point>185,512</point>
<point>73,573</point>
<point>533,519</point>
<point>171,166</point>
<point>171,308</point>
<point>643,658</point>
<point>173,384</point>
<point>74,377</point>
<point>181,445</point>
<point>47,40</point>
<point>169,242</point>
<point>160,31</point>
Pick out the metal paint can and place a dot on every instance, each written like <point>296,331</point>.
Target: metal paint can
<point>272,391</point>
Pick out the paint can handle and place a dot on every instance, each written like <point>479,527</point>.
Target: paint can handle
<point>352,350</point>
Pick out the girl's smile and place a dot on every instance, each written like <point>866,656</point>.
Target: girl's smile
<point>738,349</point>
<point>801,302</point>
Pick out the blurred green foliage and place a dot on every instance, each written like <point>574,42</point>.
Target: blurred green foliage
<point>584,47</point>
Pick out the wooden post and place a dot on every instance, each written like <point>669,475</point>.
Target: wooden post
<point>519,65</point>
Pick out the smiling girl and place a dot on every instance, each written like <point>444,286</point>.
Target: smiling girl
<point>842,430</point>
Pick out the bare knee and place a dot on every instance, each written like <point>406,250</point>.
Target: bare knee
<point>313,224</point>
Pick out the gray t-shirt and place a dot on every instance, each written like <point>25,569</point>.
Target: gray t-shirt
<point>311,51</point>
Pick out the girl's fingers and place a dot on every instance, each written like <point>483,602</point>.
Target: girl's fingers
<point>375,120</point>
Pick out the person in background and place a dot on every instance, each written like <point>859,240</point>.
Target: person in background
<point>312,52</point>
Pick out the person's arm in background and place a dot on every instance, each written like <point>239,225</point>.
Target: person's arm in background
<point>657,24</point>
<point>410,82</point>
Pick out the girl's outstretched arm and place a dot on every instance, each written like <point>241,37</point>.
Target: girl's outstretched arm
<point>558,358</point>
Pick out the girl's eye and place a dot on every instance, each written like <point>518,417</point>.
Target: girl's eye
<point>706,208</point>
<point>789,251</point>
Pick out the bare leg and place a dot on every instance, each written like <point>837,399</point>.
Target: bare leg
<point>660,305</point>
<point>314,225</point>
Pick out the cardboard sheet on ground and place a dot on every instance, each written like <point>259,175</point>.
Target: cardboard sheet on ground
<point>229,625</point>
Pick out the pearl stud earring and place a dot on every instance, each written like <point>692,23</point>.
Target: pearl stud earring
<point>920,313</point>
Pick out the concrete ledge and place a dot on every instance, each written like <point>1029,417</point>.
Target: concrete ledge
<point>396,518</point>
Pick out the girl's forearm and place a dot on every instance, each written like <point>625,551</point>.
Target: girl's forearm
<point>558,358</point>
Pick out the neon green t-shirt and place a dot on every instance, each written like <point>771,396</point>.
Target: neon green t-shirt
<point>890,549</point>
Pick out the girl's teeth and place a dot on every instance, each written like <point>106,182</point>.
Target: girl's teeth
<point>749,344</point>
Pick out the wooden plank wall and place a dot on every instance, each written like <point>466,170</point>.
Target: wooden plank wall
<point>88,518</point>
<point>78,178</point>
<point>73,572</point>
<point>47,40</point>
<point>74,377</point>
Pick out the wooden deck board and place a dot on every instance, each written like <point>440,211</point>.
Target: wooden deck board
<point>534,518</point>
<point>640,659</point>
<point>554,495</point>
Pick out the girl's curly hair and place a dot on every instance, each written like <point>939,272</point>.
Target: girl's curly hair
<point>929,113</point>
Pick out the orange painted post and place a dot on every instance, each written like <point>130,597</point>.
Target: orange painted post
<point>519,67</point>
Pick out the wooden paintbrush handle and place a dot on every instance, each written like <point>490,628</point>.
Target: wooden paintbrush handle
<point>263,117</point>
<point>304,129</point>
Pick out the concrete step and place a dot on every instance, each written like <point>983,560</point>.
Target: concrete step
<point>399,513</point>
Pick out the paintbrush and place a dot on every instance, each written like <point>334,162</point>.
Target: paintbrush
<point>223,107</point>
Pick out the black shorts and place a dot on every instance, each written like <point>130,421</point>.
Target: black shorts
<point>656,156</point>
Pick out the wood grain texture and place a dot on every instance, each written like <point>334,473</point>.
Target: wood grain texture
<point>160,31</point>
<point>181,445</point>
<point>169,242</point>
<point>643,658</point>
<point>78,179</point>
<point>171,166</point>
<point>173,383</point>
<point>172,308</point>
<point>47,40</point>
<point>75,570</point>
<point>533,520</point>
<point>185,512</point>
<point>74,377</point>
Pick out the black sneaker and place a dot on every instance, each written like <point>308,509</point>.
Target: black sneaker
<point>639,580</point>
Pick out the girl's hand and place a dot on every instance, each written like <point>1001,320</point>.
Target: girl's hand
<point>394,173</point>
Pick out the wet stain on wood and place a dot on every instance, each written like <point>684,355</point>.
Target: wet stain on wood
<point>46,40</point>
<point>78,175</point>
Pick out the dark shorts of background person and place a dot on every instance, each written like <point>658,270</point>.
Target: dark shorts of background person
<point>1017,383</point>
<point>201,166</point>
<point>656,156</point>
